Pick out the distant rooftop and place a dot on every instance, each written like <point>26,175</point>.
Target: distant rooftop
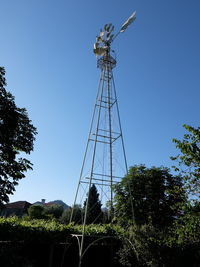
<point>17,205</point>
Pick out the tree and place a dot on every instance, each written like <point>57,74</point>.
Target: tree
<point>94,212</point>
<point>189,159</point>
<point>154,194</point>
<point>36,212</point>
<point>53,211</point>
<point>77,215</point>
<point>187,227</point>
<point>17,134</point>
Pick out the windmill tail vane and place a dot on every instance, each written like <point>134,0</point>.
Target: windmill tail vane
<point>128,22</point>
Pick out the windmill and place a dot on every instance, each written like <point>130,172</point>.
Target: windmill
<point>104,162</point>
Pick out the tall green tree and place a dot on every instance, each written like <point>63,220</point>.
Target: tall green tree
<point>17,134</point>
<point>189,159</point>
<point>94,212</point>
<point>77,215</point>
<point>154,194</point>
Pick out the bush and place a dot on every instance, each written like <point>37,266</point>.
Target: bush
<point>36,212</point>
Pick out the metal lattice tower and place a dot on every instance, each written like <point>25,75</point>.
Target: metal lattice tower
<point>104,162</point>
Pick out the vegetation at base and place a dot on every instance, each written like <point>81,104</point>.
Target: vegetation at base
<point>77,215</point>
<point>174,241</point>
<point>45,212</point>
<point>93,204</point>
<point>178,245</point>
<point>149,195</point>
<point>144,245</point>
<point>14,228</point>
<point>26,242</point>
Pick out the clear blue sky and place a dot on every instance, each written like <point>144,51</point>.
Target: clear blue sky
<point>46,48</point>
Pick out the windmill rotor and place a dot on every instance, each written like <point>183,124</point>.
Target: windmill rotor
<point>105,38</point>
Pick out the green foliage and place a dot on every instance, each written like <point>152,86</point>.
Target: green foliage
<point>189,159</point>
<point>167,226</point>
<point>45,212</point>
<point>36,212</point>
<point>146,243</point>
<point>14,228</point>
<point>53,211</point>
<point>178,245</point>
<point>186,230</point>
<point>17,134</point>
<point>94,212</point>
<point>154,194</point>
<point>30,242</point>
<point>77,215</point>
<point>106,218</point>
<point>143,245</point>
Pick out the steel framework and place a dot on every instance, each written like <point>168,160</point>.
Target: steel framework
<point>104,162</point>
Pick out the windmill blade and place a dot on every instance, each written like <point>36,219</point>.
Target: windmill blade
<point>101,33</point>
<point>128,22</point>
